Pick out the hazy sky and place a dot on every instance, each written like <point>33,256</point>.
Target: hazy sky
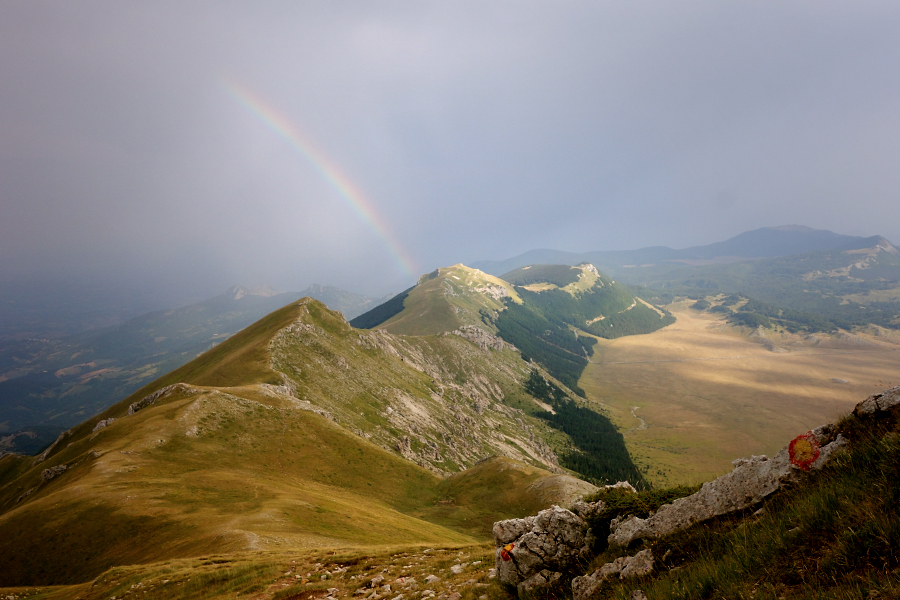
<point>360,144</point>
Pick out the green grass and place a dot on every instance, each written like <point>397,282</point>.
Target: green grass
<point>447,301</point>
<point>558,275</point>
<point>836,535</point>
<point>476,498</point>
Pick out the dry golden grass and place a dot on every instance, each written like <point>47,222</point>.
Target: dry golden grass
<point>709,393</point>
<point>300,574</point>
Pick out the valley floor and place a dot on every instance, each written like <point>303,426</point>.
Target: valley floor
<point>692,397</point>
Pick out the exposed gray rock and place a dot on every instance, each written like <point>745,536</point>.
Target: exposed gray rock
<point>480,337</point>
<point>432,579</point>
<point>43,455</point>
<point>639,564</point>
<point>749,483</point>
<point>538,581</point>
<point>512,529</point>
<point>585,588</point>
<point>585,510</point>
<point>48,474</point>
<point>104,423</point>
<point>621,485</point>
<point>152,398</point>
<point>457,569</point>
<point>553,540</point>
<point>637,595</point>
<point>27,493</point>
<point>882,402</point>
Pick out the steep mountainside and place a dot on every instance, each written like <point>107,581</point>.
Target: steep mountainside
<point>442,301</point>
<point>539,309</point>
<point>563,312</point>
<point>298,431</point>
<point>48,385</point>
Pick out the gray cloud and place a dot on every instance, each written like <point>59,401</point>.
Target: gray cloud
<point>475,130</point>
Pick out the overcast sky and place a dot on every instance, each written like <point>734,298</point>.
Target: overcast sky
<point>360,144</point>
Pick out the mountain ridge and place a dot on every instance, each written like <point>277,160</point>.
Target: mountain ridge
<point>272,438</point>
<point>47,386</point>
<point>766,242</point>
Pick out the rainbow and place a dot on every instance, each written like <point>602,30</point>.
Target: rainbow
<point>352,196</point>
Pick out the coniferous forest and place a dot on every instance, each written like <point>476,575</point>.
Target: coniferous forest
<point>600,454</point>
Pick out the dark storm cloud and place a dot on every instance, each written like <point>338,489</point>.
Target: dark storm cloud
<point>475,130</point>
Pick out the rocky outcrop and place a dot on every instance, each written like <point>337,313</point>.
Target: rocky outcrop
<point>876,403</point>
<point>535,551</point>
<point>540,580</point>
<point>46,453</point>
<point>751,480</point>
<point>152,398</point>
<point>538,550</point>
<point>748,484</point>
<point>585,588</point>
<point>48,474</point>
<point>104,423</point>
<point>481,338</point>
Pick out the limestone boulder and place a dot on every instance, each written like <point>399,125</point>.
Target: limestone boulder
<point>751,481</point>
<point>586,587</point>
<point>554,540</point>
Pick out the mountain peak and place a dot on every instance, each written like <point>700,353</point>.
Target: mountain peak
<point>236,292</point>
<point>886,246</point>
<point>803,228</point>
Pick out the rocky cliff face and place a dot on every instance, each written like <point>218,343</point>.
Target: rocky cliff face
<point>436,400</point>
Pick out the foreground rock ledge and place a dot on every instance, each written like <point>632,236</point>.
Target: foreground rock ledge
<point>584,588</point>
<point>748,484</point>
<point>537,551</point>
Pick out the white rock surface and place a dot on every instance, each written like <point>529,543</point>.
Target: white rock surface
<point>748,484</point>
<point>586,587</point>
<point>553,540</point>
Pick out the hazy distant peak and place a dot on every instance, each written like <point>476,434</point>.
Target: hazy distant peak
<point>239,291</point>
<point>793,228</point>
<point>885,245</point>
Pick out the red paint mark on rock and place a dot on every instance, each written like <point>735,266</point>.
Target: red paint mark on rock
<point>804,450</point>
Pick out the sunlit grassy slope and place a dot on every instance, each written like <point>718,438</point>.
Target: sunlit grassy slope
<point>235,457</point>
<point>448,298</point>
<point>832,535</point>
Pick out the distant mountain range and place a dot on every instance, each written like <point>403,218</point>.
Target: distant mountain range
<point>767,242</point>
<point>47,385</point>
